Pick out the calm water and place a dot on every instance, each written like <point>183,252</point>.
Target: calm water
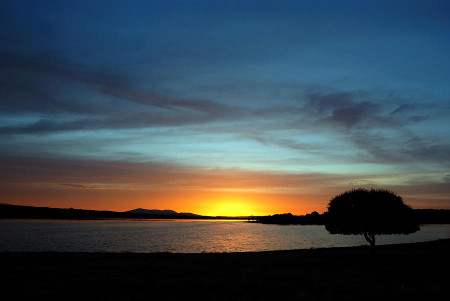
<point>181,236</point>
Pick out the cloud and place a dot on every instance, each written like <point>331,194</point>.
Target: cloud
<point>403,108</point>
<point>400,146</point>
<point>66,96</point>
<point>447,178</point>
<point>63,96</point>
<point>379,133</point>
<point>166,102</point>
<point>89,174</point>
<point>348,109</point>
<point>175,116</point>
<point>97,187</point>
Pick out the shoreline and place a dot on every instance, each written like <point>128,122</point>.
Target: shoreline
<point>409,271</point>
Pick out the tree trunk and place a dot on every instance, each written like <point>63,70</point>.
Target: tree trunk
<point>370,237</point>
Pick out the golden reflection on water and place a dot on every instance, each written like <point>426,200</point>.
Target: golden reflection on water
<point>179,220</point>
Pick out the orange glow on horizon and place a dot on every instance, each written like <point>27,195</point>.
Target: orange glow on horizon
<point>202,201</point>
<point>209,203</point>
<point>119,186</point>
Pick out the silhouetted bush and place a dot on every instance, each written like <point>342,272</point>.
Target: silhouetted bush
<point>313,218</point>
<point>369,212</point>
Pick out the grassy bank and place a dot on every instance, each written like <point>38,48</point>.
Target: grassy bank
<point>417,271</point>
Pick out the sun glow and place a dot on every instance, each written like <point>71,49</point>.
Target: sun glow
<point>231,207</point>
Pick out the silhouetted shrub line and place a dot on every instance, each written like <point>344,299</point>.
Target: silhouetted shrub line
<point>422,216</point>
<point>364,212</point>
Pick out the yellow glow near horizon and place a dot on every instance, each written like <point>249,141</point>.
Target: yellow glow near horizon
<point>231,207</point>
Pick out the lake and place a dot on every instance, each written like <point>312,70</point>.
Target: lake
<point>182,236</point>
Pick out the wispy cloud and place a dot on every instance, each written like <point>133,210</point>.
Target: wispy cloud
<point>96,187</point>
<point>368,123</point>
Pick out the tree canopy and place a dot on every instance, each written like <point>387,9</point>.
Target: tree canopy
<point>369,212</point>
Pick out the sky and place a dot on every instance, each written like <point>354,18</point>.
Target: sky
<point>223,107</point>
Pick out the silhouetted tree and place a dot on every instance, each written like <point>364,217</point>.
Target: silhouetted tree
<point>369,212</point>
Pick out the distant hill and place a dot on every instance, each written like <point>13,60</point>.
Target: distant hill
<point>17,211</point>
<point>152,211</point>
<point>163,212</point>
<point>30,212</point>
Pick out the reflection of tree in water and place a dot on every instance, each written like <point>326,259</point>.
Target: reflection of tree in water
<point>369,212</point>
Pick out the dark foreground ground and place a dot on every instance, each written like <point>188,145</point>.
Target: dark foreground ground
<point>403,272</point>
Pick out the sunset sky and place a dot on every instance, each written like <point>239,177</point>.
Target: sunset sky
<point>223,107</point>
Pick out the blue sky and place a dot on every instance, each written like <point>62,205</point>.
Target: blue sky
<point>358,89</point>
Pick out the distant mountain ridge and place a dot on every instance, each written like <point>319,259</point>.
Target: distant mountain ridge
<point>161,212</point>
<point>423,216</point>
<point>18,211</point>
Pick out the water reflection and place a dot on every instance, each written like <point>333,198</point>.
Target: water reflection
<point>181,236</point>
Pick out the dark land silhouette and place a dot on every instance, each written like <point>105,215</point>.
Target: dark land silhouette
<point>410,272</point>
<point>31,212</point>
<point>367,212</point>
<point>7,211</point>
<point>422,216</point>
